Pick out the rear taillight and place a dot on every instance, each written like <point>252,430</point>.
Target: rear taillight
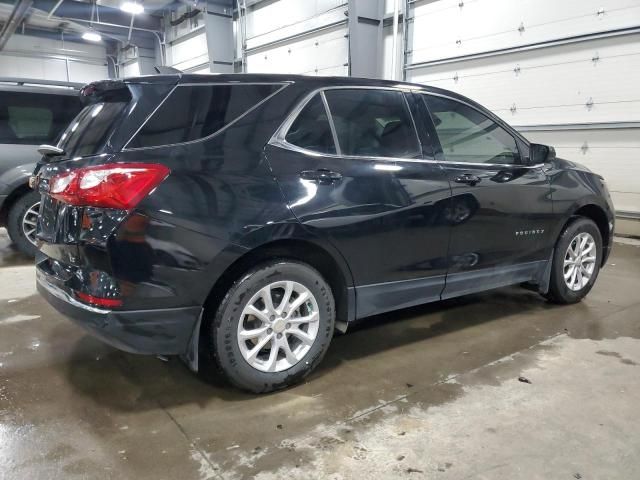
<point>116,185</point>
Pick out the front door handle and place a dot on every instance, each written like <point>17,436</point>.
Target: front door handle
<point>322,175</point>
<point>468,179</point>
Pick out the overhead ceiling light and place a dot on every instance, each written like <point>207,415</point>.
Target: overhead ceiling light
<point>132,7</point>
<point>91,36</point>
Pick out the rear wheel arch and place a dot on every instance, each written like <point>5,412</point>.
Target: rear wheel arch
<point>304,251</point>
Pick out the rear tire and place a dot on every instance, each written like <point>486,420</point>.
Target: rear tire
<point>576,262</point>
<point>262,347</point>
<point>21,222</point>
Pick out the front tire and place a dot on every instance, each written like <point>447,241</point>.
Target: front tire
<point>576,262</point>
<point>21,223</point>
<point>273,327</point>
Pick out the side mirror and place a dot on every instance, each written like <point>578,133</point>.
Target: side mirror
<point>541,153</point>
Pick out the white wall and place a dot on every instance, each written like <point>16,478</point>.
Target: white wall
<point>33,57</point>
<point>270,26</point>
<point>545,92</point>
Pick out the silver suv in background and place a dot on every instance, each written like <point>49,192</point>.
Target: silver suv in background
<point>32,112</point>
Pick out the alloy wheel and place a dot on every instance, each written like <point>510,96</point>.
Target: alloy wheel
<point>278,326</point>
<point>579,261</point>
<point>29,222</point>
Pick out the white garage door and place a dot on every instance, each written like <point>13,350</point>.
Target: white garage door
<point>582,97</point>
<point>291,36</point>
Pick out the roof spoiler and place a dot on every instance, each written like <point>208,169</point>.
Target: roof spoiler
<point>162,70</point>
<point>105,91</point>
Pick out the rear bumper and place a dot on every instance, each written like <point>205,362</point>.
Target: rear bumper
<point>153,332</point>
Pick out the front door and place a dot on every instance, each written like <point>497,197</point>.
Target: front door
<point>501,207</point>
<point>351,169</point>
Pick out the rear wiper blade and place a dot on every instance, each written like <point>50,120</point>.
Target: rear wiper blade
<point>50,151</point>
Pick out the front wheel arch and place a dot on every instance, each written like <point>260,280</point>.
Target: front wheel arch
<point>599,217</point>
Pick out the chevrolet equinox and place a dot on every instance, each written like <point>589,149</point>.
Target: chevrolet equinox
<point>239,220</point>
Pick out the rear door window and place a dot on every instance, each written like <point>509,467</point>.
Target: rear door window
<point>311,129</point>
<point>373,122</point>
<point>30,118</point>
<point>193,112</point>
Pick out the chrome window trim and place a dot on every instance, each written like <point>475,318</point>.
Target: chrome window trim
<point>278,138</point>
<point>210,136</point>
<point>313,153</point>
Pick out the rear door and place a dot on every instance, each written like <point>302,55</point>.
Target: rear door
<point>352,170</point>
<point>502,206</point>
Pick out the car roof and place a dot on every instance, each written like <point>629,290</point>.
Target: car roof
<point>311,81</point>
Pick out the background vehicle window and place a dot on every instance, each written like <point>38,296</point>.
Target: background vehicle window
<point>466,135</point>
<point>311,129</point>
<point>371,122</point>
<point>34,118</point>
<point>193,112</point>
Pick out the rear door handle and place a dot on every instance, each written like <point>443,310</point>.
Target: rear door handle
<point>468,179</point>
<point>322,175</point>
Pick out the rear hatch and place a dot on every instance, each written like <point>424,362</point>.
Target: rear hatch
<point>113,111</point>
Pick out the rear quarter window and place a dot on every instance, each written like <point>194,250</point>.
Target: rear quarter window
<point>29,118</point>
<point>193,112</point>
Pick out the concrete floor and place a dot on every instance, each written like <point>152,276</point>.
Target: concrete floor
<point>430,392</point>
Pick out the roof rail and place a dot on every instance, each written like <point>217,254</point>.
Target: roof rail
<point>33,81</point>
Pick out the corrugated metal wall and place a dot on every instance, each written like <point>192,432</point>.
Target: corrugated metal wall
<point>564,73</point>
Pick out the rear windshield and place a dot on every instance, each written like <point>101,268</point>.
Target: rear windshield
<point>88,132</point>
<point>29,118</point>
<point>193,112</point>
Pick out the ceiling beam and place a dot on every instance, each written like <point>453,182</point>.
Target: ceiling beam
<point>18,14</point>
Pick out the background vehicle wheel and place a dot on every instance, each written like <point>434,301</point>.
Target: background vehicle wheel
<point>273,327</point>
<point>21,223</point>
<point>576,262</point>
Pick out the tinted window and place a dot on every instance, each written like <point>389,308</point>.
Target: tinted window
<point>34,118</point>
<point>311,129</point>
<point>89,131</point>
<point>466,135</point>
<point>194,112</point>
<point>372,122</point>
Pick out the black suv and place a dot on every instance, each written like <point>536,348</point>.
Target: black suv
<point>239,220</point>
<point>31,112</point>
